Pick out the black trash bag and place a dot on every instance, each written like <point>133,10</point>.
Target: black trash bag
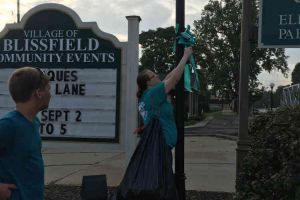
<point>149,174</point>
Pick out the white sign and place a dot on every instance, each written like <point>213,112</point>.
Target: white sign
<point>83,102</point>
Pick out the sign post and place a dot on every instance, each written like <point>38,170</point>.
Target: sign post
<point>243,137</point>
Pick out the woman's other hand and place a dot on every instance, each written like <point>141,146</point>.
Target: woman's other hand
<point>5,190</point>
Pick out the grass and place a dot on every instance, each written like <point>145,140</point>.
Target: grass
<point>205,115</point>
<point>191,122</point>
<point>194,121</point>
<point>212,113</point>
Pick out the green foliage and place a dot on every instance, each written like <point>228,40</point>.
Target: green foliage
<point>296,74</point>
<point>278,95</point>
<point>271,168</point>
<point>264,100</point>
<point>157,49</point>
<point>218,48</point>
<point>256,95</point>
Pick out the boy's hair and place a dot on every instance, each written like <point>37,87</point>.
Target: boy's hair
<point>24,81</point>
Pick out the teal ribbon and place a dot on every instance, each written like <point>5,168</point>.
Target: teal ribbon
<point>187,78</point>
<point>188,39</point>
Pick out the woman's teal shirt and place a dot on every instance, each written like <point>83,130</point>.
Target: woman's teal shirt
<point>154,102</point>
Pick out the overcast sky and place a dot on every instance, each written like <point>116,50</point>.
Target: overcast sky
<point>110,17</point>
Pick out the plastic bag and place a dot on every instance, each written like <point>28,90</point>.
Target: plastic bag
<point>149,174</point>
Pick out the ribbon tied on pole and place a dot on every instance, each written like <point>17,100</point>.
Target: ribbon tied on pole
<point>191,77</point>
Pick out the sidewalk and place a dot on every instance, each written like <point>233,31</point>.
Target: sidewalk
<point>209,163</point>
<point>222,125</point>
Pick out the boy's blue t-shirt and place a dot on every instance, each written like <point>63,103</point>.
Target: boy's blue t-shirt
<point>154,101</point>
<point>21,161</point>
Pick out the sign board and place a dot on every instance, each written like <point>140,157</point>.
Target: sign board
<point>83,64</point>
<point>279,24</point>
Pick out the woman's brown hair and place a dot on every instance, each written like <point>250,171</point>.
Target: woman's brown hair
<point>142,83</point>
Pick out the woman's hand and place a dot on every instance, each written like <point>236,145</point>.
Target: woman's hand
<point>5,190</point>
<point>188,51</point>
<point>137,131</point>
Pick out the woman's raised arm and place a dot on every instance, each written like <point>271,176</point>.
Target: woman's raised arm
<point>174,76</point>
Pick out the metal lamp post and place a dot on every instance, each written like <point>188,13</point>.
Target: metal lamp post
<point>271,95</point>
<point>179,108</point>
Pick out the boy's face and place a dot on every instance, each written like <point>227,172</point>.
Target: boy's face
<point>44,97</point>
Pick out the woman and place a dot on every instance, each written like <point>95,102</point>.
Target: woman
<point>152,95</point>
<point>149,173</point>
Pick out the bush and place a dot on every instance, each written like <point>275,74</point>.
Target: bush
<point>271,168</point>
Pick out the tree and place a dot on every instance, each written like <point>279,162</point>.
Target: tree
<point>264,101</point>
<point>296,74</point>
<point>157,49</point>
<point>256,95</point>
<point>218,48</point>
<point>278,95</point>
